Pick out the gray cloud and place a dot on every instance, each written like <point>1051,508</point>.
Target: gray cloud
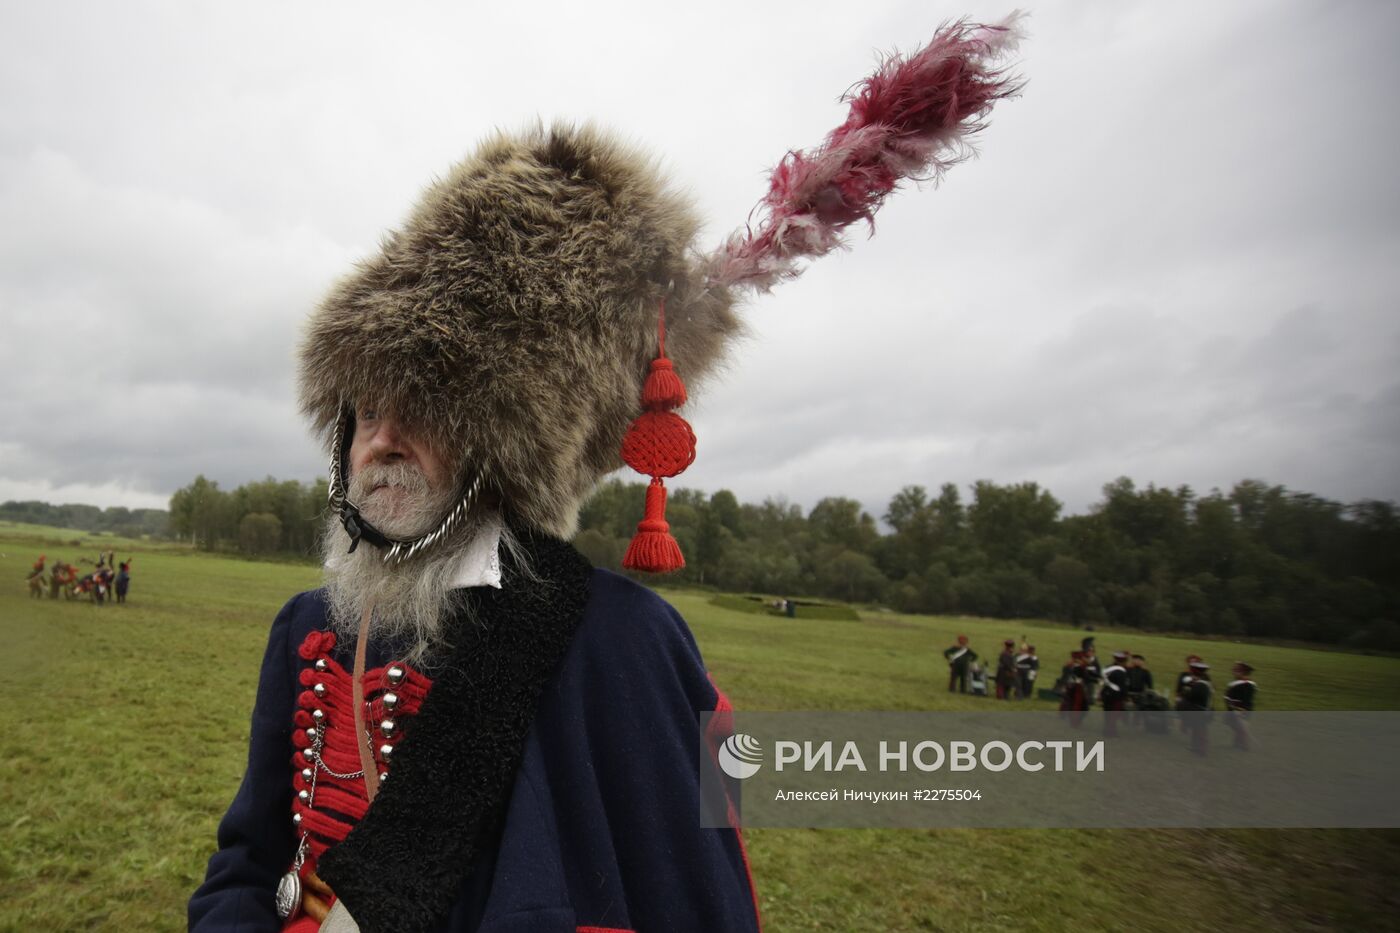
<point>1175,259</point>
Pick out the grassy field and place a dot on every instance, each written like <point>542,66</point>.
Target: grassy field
<point>126,729</point>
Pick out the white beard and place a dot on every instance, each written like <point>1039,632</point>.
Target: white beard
<point>412,599</point>
<point>398,499</point>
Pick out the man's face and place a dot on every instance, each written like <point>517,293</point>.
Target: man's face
<point>396,481</point>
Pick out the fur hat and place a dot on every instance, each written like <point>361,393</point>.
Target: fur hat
<point>510,320</point>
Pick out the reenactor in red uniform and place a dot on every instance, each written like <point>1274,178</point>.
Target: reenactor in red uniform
<point>36,577</point>
<point>1093,671</point>
<point>1074,698</point>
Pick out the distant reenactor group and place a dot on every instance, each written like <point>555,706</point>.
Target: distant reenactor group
<point>62,580</point>
<point>1015,673</point>
<point>1125,689</point>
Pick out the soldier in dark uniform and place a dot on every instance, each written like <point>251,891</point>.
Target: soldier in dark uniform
<point>959,658</point>
<point>1197,694</point>
<point>123,580</point>
<point>1184,677</point>
<point>1139,685</point>
<point>1239,703</point>
<point>1093,671</point>
<point>1074,699</point>
<point>1027,666</point>
<point>1114,695</point>
<point>1006,670</point>
<point>1139,678</point>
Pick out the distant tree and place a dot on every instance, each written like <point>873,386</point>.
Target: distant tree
<point>259,533</point>
<point>600,549</point>
<point>840,521</point>
<point>614,508</point>
<point>949,517</point>
<point>854,577</point>
<point>1071,582</point>
<point>1004,519</point>
<point>915,533</point>
<point>203,512</point>
<point>727,511</point>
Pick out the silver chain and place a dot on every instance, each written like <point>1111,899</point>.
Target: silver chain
<point>403,550</point>
<point>314,753</point>
<point>336,496</point>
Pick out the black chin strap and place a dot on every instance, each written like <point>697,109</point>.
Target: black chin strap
<point>357,527</point>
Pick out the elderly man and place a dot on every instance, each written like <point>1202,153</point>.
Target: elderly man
<point>468,728</point>
<point>539,720</point>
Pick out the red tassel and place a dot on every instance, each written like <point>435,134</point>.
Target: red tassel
<point>658,443</point>
<point>653,548</point>
<point>664,389</point>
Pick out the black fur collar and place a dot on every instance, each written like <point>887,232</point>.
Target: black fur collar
<point>402,867</point>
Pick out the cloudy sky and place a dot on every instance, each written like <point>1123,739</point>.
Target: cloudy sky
<point>1176,258</point>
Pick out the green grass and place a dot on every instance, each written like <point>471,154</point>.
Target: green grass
<point>126,729</point>
<point>887,660</point>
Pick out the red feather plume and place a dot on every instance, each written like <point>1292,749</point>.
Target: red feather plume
<point>910,119</point>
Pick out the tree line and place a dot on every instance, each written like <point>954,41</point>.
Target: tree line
<point>1259,560</point>
<point>119,520</point>
<point>259,518</point>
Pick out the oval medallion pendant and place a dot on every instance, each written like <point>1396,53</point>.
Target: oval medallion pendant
<point>289,895</point>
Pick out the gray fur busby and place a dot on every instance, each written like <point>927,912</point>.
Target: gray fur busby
<point>510,321</point>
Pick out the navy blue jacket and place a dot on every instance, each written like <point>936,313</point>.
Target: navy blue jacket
<point>602,830</point>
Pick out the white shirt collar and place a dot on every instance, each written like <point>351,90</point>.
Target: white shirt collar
<point>481,560</point>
